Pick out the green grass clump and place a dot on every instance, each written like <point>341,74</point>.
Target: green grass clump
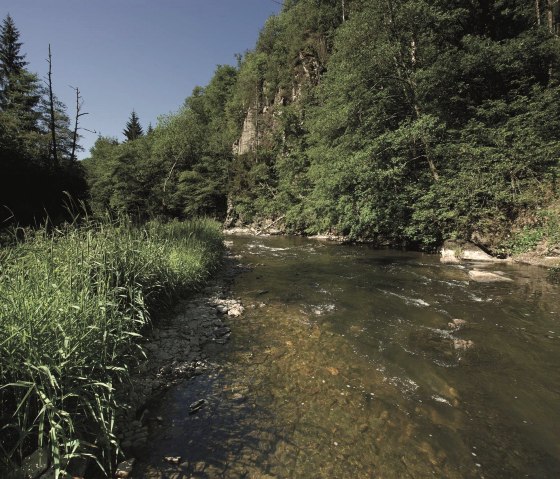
<point>72,306</point>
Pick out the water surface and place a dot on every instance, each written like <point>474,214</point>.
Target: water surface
<point>344,366</point>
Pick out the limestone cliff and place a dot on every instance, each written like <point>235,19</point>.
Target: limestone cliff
<point>261,119</point>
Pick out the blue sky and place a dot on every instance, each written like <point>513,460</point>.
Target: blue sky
<point>145,55</point>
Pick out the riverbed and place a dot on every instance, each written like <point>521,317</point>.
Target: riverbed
<point>347,363</point>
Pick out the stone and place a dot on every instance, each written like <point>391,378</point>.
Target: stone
<point>124,469</point>
<point>456,323</point>
<point>462,344</point>
<point>455,251</point>
<point>236,310</point>
<point>487,276</point>
<point>172,459</point>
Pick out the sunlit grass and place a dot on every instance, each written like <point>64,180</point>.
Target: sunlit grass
<point>72,306</point>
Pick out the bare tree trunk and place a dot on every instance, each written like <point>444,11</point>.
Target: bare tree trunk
<point>79,104</point>
<point>538,11</point>
<point>51,106</point>
<point>549,15</point>
<point>343,12</point>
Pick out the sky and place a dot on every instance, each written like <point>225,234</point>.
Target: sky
<point>145,55</point>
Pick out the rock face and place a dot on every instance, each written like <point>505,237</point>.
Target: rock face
<point>248,139</point>
<point>456,251</point>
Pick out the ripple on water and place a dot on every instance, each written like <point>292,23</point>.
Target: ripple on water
<point>375,388</point>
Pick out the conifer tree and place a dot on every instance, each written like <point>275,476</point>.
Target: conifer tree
<point>19,88</point>
<point>11,60</point>
<point>133,128</point>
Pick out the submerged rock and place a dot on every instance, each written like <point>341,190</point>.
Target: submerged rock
<point>462,344</point>
<point>487,276</point>
<point>456,323</point>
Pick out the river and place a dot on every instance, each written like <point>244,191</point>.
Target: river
<point>344,366</point>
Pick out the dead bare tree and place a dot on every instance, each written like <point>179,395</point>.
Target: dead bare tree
<point>52,113</point>
<point>79,114</point>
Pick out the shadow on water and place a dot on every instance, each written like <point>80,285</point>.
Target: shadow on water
<point>344,365</point>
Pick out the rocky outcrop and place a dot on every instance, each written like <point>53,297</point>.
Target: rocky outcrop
<point>247,142</point>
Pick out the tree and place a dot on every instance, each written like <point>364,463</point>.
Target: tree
<point>36,142</point>
<point>133,129</point>
<point>12,62</point>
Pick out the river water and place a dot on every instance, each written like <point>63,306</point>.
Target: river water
<point>344,366</point>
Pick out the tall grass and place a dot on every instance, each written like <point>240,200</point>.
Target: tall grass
<point>73,304</point>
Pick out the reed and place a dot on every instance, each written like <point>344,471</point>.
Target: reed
<point>73,304</point>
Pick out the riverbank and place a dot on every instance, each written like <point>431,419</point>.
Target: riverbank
<point>76,306</point>
<point>176,351</point>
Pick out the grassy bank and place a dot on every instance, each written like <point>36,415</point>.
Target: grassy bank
<point>72,306</point>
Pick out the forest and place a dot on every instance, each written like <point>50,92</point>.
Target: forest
<point>402,123</point>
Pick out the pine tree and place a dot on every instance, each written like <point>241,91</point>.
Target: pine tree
<point>133,128</point>
<point>19,89</point>
<point>11,60</point>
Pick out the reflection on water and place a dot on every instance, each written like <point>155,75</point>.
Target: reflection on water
<point>347,364</point>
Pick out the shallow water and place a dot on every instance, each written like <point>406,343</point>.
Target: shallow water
<point>344,366</point>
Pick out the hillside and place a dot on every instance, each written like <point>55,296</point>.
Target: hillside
<point>402,122</point>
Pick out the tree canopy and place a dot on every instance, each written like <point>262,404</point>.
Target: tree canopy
<point>400,121</point>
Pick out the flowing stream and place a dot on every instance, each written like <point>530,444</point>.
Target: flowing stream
<point>344,366</point>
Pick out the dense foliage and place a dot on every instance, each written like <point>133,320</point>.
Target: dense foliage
<point>402,121</point>
<point>179,169</point>
<point>36,174</point>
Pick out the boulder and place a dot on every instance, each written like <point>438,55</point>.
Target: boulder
<point>457,251</point>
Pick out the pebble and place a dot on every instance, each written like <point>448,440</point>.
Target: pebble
<point>124,468</point>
